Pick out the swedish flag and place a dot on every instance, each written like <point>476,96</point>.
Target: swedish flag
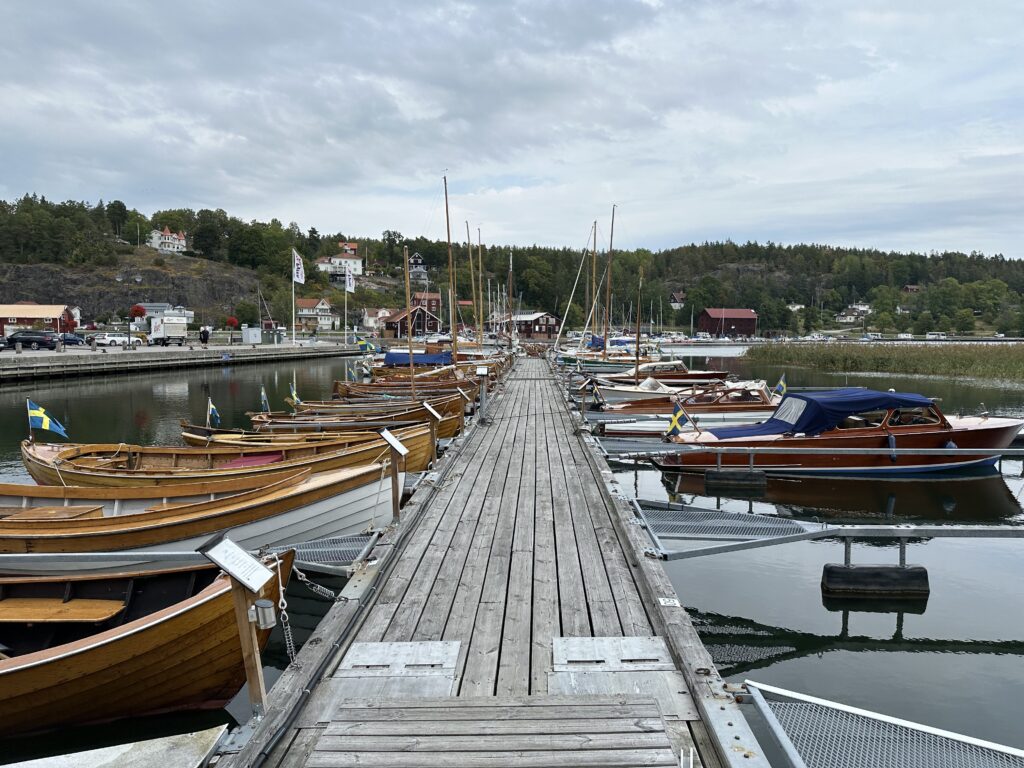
<point>365,346</point>
<point>264,402</point>
<point>212,416</point>
<point>295,395</point>
<point>38,418</point>
<point>679,420</point>
<point>781,387</point>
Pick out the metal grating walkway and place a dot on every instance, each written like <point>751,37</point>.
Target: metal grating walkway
<point>715,524</point>
<point>816,733</point>
<point>337,550</point>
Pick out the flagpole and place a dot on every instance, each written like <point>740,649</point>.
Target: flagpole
<point>208,402</point>
<point>28,413</point>
<point>293,300</point>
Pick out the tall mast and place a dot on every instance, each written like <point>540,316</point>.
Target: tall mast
<point>472,280</point>
<point>593,273</point>
<point>480,283</point>
<point>608,292</point>
<point>408,320</point>
<point>639,289</point>
<point>451,279</point>
<point>511,301</point>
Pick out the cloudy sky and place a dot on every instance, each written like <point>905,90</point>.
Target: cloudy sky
<point>894,124</point>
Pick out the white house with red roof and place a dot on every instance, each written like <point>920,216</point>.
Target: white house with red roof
<point>316,314</point>
<point>334,266</point>
<point>373,318</point>
<point>166,241</point>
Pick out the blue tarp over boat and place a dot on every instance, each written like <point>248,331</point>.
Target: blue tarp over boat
<point>418,358</point>
<point>811,413</point>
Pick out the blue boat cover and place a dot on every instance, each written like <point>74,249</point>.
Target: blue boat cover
<point>811,413</point>
<point>596,342</point>
<point>418,358</point>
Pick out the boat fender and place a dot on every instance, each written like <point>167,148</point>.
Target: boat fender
<point>892,446</point>
<point>951,444</point>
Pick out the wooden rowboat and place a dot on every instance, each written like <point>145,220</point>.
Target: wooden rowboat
<point>468,388</point>
<point>329,422</point>
<point>449,405</point>
<point>297,507</point>
<point>87,649</point>
<point>106,464</point>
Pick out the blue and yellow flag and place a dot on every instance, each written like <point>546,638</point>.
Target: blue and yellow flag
<point>781,387</point>
<point>212,416</point>
<point>264,402</point>
<point>38,418</point>
<point>365,346</point>
<point>679,420</point>
<point>295,395</point>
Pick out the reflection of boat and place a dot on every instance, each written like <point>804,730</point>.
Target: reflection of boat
<point>842,419</point>
<point>102,464</point>
<point>979,495</point>
<point>85,649</point>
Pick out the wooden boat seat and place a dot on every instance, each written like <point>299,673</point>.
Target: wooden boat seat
<point>255,460</point>
<point>53,609</point>
<point>50,513</point>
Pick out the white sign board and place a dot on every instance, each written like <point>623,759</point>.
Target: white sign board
<point>481,370</point>
<point>431,411</point>
<point>237,563</point>
<point>394,442</point>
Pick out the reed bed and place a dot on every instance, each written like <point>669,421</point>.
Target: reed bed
<point>984,361</point>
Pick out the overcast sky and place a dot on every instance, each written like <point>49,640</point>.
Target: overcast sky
<point>897,125</point>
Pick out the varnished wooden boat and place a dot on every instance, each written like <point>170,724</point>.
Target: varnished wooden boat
<point>297,507</point>
<point>307,432</point>
<point>847,418</point>
<point>102,464</point>
<point>88,649</point>
<point>447,405</point>
<point>467,388</point>
<point>311,422</point>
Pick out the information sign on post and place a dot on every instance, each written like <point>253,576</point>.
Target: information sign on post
<point>431,411</point>
<point>398,451</point>
<point>237,563</point>
<point>394,442</point>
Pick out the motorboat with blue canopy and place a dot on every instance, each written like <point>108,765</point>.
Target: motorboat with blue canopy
<point>811,413</point>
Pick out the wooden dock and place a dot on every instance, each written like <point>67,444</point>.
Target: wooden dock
<point>519,624</point>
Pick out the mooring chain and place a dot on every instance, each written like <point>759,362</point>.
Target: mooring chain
<point>286,625</point>
<point>318,589</point>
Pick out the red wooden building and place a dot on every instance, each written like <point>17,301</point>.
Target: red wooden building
<point>720,321</point>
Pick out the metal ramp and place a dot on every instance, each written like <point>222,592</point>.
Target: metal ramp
<point>331,555</point>
<point>716,525</point>
<point>818,733</point>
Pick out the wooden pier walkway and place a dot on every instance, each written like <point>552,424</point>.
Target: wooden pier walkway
<point>521,624</point>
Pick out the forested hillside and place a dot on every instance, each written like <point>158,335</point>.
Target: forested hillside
<point>947,288</point>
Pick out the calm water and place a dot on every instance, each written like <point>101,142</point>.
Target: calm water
<point>146,409</point>
<point>956,662</point>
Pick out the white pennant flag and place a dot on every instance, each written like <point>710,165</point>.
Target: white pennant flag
<point>298,270</point>
<point>350,279</point>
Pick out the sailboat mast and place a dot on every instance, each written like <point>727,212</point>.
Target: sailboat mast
<point>511,301</point>
<point>639,299</point>
<point>472,282</point>
<point>480,283</point>
<point>593,270</point>
<point>408,321</point>
<point>608,293</point>
<point>451,279</point>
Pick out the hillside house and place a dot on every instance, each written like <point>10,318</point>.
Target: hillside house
<point>373,318</point>
<point>334,266</point>
<point>677,299</point>
<point>417,270</point>
<point>424,322</point>
<point>316,314</point>
<point>166,241</point>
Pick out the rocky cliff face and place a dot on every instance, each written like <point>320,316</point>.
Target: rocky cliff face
<point>209,288</point>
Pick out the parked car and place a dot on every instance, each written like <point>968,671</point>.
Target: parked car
<point>32,340</point>
<point>72,339</point>
<point>115,340</point>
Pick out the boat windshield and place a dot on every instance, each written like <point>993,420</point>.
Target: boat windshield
<point>790,410</point>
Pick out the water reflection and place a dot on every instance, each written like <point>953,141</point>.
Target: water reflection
<point>982,497</point>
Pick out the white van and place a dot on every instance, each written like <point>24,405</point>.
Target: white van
<point>935,336</point>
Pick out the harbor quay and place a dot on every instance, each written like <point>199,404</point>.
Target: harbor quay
<point>84,361</point>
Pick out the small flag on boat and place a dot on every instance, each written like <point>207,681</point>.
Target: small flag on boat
<point>212,415</point>
<point>364,345</point>
<point>38,418</point>
<point>679,420</point>
<point>781,386</point>
<point>264,402</point>
<point>295,395</point>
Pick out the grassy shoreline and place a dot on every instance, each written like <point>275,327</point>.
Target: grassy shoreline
<point>984,361</point>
